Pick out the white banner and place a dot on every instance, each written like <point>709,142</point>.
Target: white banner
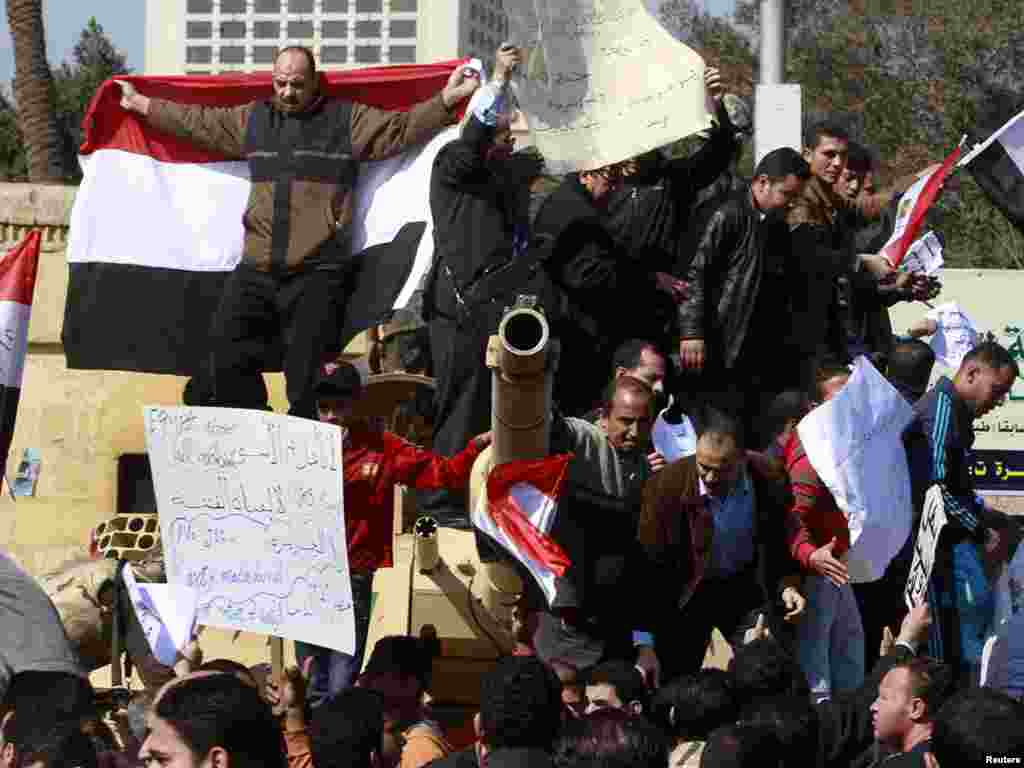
<point>854,442</point>
<point>251,516</point>
<point>933,520</point>
<point>603,81</point>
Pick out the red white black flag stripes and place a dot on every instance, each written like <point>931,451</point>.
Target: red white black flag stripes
<point>997,164</point>
<point>519,510</point>
<point>157,222</point>
<point>913,207</point>
<point>17,284</point>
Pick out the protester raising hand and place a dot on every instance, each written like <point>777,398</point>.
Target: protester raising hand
<point>824,563</point>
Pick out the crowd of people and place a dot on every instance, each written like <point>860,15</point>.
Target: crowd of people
<point>697,318</point>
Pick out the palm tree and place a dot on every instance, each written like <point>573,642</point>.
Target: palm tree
<point>33,90</point>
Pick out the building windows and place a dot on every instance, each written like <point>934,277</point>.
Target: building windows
<point>403,6</point>
<point>403,28</point>
<point>268,6</point>
<point>266,30</point>
<point>232,30</point>
<point>232,6</point>
<point>263,54</point>
<point>402,54</point>
<point>199,6</point>
<point>199,30</point>
<point>300,6</point>
<point>198,54</point>
<point>333,54</point>
<point>369,6</point>
<point>300,29</point>
<point>367,54</point>
<point>333,29</point>
<point>335,6</point>
<point>232,54</point>
<point>367,29</point>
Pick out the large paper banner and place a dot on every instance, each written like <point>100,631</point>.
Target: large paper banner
<point>602,81</point>
<point>933,520</point>
<point>854,442</point>
<point>251,516</point>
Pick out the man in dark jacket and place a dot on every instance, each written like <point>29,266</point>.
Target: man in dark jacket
<point>477,198</point>
<point>737,294</point>
<point>303,151</point>
<point>938,443</point>
<point>711,528</point>
<point>648,214</point>
<point>607,298</point>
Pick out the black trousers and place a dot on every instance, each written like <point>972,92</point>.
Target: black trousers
<point>682,638</point>
<point>262,316</point>
<point>462,398</point>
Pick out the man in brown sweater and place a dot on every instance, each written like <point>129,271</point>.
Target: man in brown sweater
<point>303,152</point>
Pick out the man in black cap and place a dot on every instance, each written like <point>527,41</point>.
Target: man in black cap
<point>374,462</point>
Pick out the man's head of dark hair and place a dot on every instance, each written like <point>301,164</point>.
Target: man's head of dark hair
<point>49,697</point>
<point>520,704</point>
<point>744,745</point>
<point>786,408</point>
<point>716,424</point>
<point>827,371</point>
<point>992,355</point>
<point>628,353</point>
<point>611,738</point>
<point>763,668</point>
<point>910,368</point>
<point>222,711</point>
<point>976,723</point>
<point>692,706</point>
<point>781,163</point>
<point>62,745</point>
<point>401,656</point>
<point>930,680</point>
<point>624,678</point>
<point>858,158</point>
<point>793,719</point>
<point>346,729</point>
<point>830,128</point>
<point>229,667</point>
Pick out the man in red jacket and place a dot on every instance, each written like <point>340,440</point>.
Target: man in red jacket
<point>830,639</point>
<point>373,463</point>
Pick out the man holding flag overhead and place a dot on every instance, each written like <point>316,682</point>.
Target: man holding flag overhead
<point>302,151</point>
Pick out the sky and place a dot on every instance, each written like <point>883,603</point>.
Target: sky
<point>123,21</point>
<point>64,20</point>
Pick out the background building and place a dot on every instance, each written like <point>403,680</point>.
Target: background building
<point>217,36</point>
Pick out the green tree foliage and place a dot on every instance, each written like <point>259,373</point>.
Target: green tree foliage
<point>93,60</point>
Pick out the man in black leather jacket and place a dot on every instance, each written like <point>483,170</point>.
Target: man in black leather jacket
<point>733,322</point>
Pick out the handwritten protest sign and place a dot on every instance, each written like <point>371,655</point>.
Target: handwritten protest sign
<point>933,519</point>
<point>602,81</point>
<point>956,334</point>
<point>251,516</point>
<point>854,442</point>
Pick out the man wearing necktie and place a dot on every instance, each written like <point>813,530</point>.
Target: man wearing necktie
<point>711,528</point>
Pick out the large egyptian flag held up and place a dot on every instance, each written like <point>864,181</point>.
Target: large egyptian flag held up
<point>17,285</point>
<point>997,164</point>
<point>157,222</point>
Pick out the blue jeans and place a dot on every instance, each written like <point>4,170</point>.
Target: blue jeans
<point>830,638</point>
<point>334,671</point>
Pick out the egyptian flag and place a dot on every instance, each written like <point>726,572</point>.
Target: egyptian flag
<point>156,225</point>
<point>17,284</point>
<point>913,207</point>
<point>518,513</point>
<point>997,164</point>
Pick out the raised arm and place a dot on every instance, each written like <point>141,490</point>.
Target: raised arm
<point>219,129</point>
<point>422,469</point>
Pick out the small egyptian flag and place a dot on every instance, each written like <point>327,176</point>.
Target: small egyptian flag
<point>519,510</point>
<point>17,285</point>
